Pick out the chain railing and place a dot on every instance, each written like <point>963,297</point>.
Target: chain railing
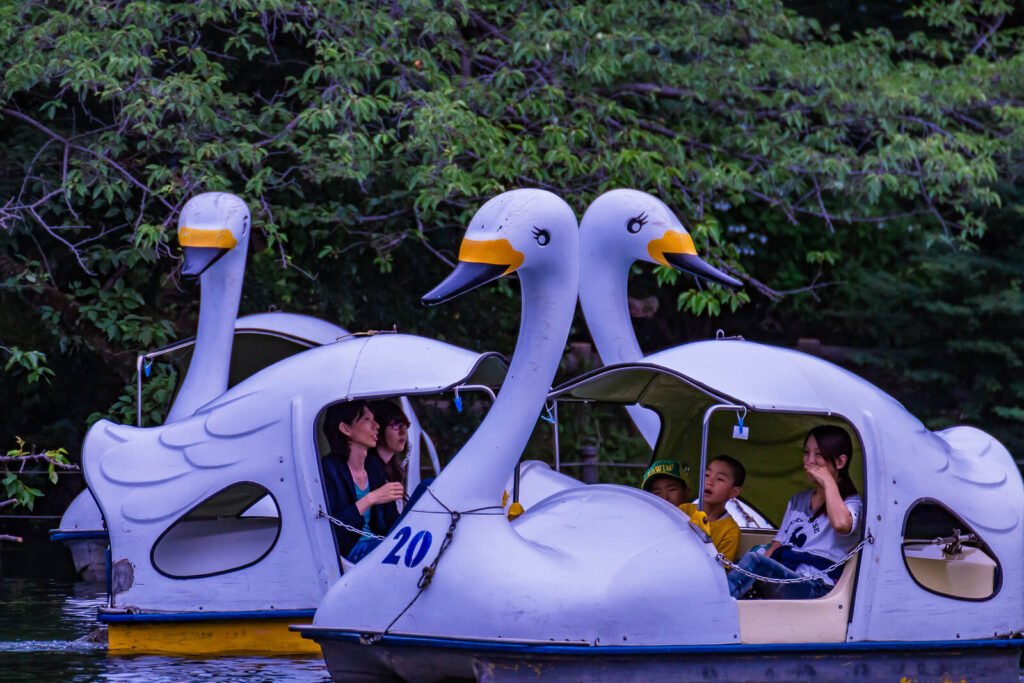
<point>337,522</point>
<point>814,576</point>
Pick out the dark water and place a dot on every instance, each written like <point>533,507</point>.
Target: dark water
<point>43,628</point>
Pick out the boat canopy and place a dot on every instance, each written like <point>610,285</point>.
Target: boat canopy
<point>779,395</point>
<point>371,366</point>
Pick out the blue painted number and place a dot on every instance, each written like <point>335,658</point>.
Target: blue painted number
<point>402,536</point>
<point>418,548</point>
<point>414,554</point>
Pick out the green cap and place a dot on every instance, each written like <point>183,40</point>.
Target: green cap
<point>666,468</point>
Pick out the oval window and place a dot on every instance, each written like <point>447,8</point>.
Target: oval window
<point>232,529</point>
<point>945,555</point>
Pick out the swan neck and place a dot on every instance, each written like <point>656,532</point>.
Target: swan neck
<point>478,474</point>
<point>604,280</point>
<point>220,290</point>
<point>605,303</point>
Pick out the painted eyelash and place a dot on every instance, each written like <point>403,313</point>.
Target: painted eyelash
<point>635,224</point>
<point>542,236</point>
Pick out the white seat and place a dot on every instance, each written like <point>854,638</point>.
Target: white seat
<point>821,620</point>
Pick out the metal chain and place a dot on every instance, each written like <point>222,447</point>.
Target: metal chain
<point>800,579</point>
<point>337,522</point>
<point>428,572</point>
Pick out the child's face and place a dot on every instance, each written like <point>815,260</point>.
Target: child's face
<point>669,488</point>
<point>719,485</point>
<point>395,436</point>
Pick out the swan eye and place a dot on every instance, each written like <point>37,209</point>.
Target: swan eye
<point>542,236</point>
<point>634,224</point>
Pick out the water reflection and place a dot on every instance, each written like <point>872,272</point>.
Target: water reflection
<point>48,631</point>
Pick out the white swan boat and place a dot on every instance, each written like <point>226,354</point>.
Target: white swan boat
<point>218,533</point>
<point>609,583</point>
<point>214,230</point>
<point>216,520</point>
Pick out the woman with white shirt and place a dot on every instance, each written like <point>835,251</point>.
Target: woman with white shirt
<point>818,529</point>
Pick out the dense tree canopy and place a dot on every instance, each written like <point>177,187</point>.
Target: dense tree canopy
<point>862,181</point>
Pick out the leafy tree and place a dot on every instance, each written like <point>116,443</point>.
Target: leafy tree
<point>363,135</point>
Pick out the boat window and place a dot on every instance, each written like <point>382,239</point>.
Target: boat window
<point>232,529</point>
<point>945,555</point>
<point>771,450</point>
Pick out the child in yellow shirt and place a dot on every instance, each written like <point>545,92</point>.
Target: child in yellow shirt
<point>723,480</point>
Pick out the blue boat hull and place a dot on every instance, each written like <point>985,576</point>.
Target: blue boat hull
<point>351,657</point>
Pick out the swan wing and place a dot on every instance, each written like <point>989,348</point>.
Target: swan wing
<point>146,475</point>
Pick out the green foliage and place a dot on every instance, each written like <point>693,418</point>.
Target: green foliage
<point>32,364</point>
<point>157,391</point>
<point>364,134</point>
<point>18,493</point>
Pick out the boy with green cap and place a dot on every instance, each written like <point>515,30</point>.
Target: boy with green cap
<point>664,478</point>
<point>723,481</point>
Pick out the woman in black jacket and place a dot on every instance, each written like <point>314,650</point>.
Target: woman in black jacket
<point>358,492</point>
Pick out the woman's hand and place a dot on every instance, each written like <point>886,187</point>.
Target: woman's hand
<point>838,514</point>
<point>388,493</point>
<point>820,474</point>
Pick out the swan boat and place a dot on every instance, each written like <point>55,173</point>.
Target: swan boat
<point>606,582</point>
<point>214,230</point>
<point>218,524</point>
<point>207,514</point>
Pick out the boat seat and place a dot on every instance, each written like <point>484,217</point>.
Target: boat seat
<point>822,620</point>
<point>751,537</point>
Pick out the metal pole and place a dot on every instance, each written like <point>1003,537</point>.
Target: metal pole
<point>554,416</point>
<point>515,484</point>
<point>588,454</point>
<point>138,390</point>
<point>704,443</point>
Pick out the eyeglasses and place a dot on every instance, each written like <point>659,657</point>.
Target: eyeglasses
<point>399,426</point>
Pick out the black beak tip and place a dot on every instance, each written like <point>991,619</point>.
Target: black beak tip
<point>431,299</point>
<point>465,277</point>
<point>695,265</point>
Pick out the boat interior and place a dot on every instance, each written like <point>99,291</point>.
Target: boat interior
<point>769,444</point>
<point>942,553</point>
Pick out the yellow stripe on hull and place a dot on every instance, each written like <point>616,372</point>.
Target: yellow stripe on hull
<point>227,637</point>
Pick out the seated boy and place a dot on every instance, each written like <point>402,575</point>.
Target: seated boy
<point>664,478</point>
<point>723,480</point>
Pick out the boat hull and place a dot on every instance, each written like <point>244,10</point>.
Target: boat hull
<point>207,635</point>
<point>88,549</point>
<point>351,657</point>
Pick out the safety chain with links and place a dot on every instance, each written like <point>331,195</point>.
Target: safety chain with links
<point>337,522</point>
<point>800,579</point>
<point>431,570</point>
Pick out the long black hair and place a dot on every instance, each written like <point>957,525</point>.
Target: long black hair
<point>388,413</point>
<point>834,441</point>
<point>346,412</point>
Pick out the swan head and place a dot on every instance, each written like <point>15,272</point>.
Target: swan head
<point>636,226</point>
<point>525,231</point>
<point>211,225</point>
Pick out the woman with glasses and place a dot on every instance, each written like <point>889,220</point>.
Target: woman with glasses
<point>393,439</point>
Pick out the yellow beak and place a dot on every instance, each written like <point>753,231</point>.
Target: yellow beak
<point>199,237</point>
<point>492,252</point>
<point>672,242</point>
